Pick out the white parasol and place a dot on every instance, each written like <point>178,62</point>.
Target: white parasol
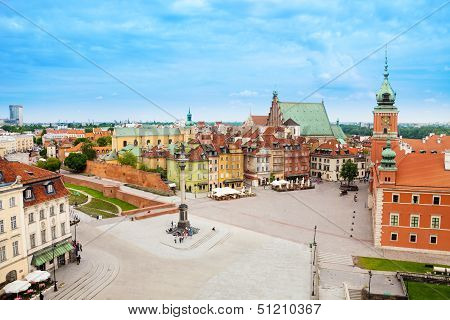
<point>38,276</point>
<point>17,286</point>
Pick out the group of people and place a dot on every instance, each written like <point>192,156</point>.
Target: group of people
<point>78,248</point>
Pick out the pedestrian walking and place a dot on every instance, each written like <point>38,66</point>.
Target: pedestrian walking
<point>41,296</point>
<point>78,259</point>
<point>81,248</point>
<point>175,239</point>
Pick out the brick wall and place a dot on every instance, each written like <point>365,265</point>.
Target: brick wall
<point>126,174</point>
<point>114,192</point>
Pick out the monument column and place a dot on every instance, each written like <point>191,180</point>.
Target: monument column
<point>183,219</point>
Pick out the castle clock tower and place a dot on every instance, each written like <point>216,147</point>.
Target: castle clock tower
<point>385,118</point>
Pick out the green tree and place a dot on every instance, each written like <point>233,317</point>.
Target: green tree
<point>52,164</point>
<point>128,159</point>
<point>349,171</point>
<point>88,130</point>
<point>88,151</point>
<point>43,153</point>
<point>79,140</point>
<point>39,141</point>
<point>104,141</point>
<point>76,162</point>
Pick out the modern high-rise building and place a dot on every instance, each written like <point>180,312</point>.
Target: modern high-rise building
<point>16,114</point>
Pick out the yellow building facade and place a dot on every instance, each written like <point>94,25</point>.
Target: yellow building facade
<point>145,137</point>
<point>231,167</point>
<point>13,249</point>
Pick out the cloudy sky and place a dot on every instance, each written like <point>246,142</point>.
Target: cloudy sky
<point>221,58</point>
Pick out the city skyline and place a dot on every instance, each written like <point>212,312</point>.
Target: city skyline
<point>221,60</point>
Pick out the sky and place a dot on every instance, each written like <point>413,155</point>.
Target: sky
<point>223,59</point>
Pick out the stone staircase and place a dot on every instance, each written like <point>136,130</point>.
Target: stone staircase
<point>152,211</point>
<point>90,284</point>
<point>354,294</point>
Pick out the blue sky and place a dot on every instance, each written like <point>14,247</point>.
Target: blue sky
<point>221,58</point>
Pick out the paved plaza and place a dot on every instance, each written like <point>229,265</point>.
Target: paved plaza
<point>259,250</point>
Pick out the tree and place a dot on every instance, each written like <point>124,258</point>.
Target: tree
<point>104,141</point>
<point>128,159</point>
<point>43,153</point>
<point>52,164</point>
<point>88,151</point>
<point>76,162</point>
<point>79,140</point>
<point>39,141</point>
<point>349,171</point>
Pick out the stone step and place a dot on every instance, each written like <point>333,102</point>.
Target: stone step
<point>155,213</point>
<point>354,294</point>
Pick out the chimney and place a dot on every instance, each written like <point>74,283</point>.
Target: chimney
<point>447,160</point>
<point>439,140</point>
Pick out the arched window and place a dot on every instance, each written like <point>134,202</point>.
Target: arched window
<point>124,144</point>
<point>11,276</point>
<point>385,131</point>
<point>148,142</point>
<point>135,142</point>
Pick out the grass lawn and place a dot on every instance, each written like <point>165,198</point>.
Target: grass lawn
<point>97,194</point>
<point>393,265</point>
<point>95,212</point>
<point>102,205</point>
<point>77,197</point>
<point>427,291</point>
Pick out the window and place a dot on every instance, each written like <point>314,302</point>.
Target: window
<point>433,239</point>
<point>53,232</point>
<point>61,208</point>
<point>394,219</point>
<point>436,200</point>
<point>435,222</point>
<point>414,223</point>
<point>63,228</point>
<point>413,238</point>
<point>2,227</point>
<point>394,236</point>
<point>395,198</point>
<point>50,188</point>
<point>43,236</point>
<point>30,217</point>
<point>15,247</point>
<point>41,214</point>
<point>12,202</point>
<point>28,194</point>
<point>124,144</point>
<point>415,199</point>
<point>33,240</point>
<point>2,253</point>
<point>1,205</point>
<point>13,223</point>
<point>52,211</point>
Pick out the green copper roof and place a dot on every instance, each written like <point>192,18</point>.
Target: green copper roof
<point>312,117</point>
<point>146,131</point>
<point>133,149</point>
<point>386,95</point>
<point>337,132</point>
<point>388,158</point>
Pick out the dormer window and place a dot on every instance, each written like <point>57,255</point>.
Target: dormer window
<point>1,177</point>
<point>49,188</point>
<point>28,194</point>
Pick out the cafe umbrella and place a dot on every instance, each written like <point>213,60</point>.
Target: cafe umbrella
<point>17,286</point>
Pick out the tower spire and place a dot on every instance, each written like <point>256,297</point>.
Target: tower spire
<point>386,72</point>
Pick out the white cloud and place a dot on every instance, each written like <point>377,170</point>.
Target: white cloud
<point>244,93</point>
<point>430,100</point>
<point>190,6</point>
<point>99,98</point>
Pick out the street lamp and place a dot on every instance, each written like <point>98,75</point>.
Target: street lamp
<point>314,246</point>
<point>183,219</point>
<point>370,280</point>
<point>55,288</point>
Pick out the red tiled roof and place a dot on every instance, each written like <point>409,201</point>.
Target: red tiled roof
<point>423,170</point>
<point>259,120</point>
<point>12,169</point>
<point>40,195</point>
<point>433,143</point>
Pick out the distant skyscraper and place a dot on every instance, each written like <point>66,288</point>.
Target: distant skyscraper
<point>16,114</point>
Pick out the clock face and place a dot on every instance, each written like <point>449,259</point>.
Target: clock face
<point>385,120</point>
